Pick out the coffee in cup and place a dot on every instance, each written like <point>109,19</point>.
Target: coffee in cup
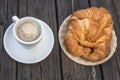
<point>27,30</point>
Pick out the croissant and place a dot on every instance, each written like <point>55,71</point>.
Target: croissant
<point>89,33</point>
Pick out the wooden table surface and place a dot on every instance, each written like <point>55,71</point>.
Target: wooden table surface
<point>57,66</point>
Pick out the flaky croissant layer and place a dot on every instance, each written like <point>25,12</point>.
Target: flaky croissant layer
<point>90,33</point>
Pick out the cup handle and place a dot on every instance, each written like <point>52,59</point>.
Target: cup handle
<point>15,19</point>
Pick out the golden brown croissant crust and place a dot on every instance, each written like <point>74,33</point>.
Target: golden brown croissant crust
<point>90,33</point>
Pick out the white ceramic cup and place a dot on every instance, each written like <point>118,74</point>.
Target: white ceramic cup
<point>20,21</point>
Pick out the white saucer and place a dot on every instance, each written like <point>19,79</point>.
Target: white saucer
<point>29,54</point>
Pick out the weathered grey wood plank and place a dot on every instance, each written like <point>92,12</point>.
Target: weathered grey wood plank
<point>8,65</point>
<point>64,9</point>
<point>116,4</point>
<point>2,19</point>
<point>1,37</point>
<point>80,4</point>
<point>111,69</point>
<point>3,10</point>
<point>23,70</point>
<point>12,9</point>
<point>70,69</point>
<point>23,8</point>
<point>49,69</point>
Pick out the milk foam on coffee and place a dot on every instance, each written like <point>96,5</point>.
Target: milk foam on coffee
<point>28,31</point>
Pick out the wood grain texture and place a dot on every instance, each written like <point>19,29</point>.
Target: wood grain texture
<point>116,5</point>
<point>1,37</point>
<point>23,8</point>
<point>8,65</point>
<point>109,71</point>
<point>12,9</point>
<point>64,9</point>
<point>80,4</point>
<point>57,66</point>
<point>24,71</point>
<point>70,69</point>
<point>45,10</point>
<point>3,8</point>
